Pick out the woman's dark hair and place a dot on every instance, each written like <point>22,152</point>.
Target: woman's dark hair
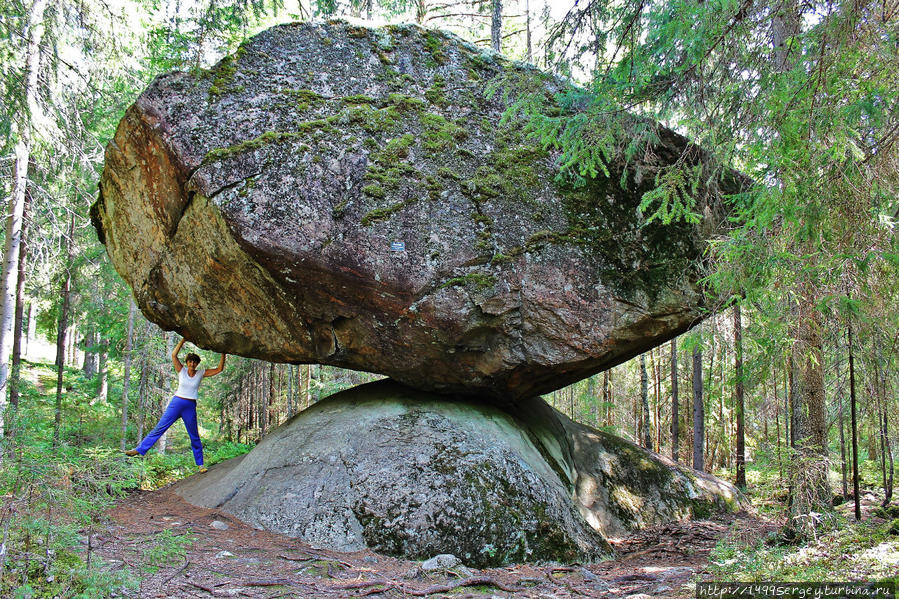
<point>192,358</point>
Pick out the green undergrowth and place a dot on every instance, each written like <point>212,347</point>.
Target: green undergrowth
<point>845,550</point>
<point>158,470</point>
<point>54,500</point>
<point>766,477</point>
<point>864,551</point>
<point>55,495</point>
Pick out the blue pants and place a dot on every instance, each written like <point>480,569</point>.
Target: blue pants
<point>186,410</point>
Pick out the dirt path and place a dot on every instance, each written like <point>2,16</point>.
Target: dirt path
<point>226,558</point>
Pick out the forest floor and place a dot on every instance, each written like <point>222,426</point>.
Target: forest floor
<point>186,551</point>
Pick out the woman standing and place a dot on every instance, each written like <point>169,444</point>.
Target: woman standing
<point>183,405</point>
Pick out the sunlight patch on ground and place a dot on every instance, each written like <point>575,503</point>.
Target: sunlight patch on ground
<point>39,350</point>
<point>886,553</point>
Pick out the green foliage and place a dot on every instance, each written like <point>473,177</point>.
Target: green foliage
<point>675,192</point>
<point>224,74</point>
<point>56,498</point>
<point>867,550</point>
<point>586,141</point>
<point>406,103</point>
<point>165,549</point>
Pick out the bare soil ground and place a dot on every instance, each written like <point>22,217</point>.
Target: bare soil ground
<point>227,558</point>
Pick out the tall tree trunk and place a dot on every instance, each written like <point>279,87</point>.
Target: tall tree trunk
<point>103,371</point>
<point>709,385</point>
<point>675,405</point>
<point>222,411</point>
<point>22,154</point>
<point>229,421</point>
<point>142,392</point>
<point>594,404</point>
<point>19,314</point>
<point>527,18</point>
<point>238,407</point>
<point>62,328</point>
<point>738,371</point>
<point>32,326</point>
<point>811,493</point>
<point>89,368</point>
<point>777,428</point>
<point>261,399</point>
<point>166,373</point>
<point>788,407</point>
<point>607,397</point>
<point>129,341</point>
<point>279,393</point>
<point>792,398</point>
<point>698,410</point>
<point>249,391</point>
<point>887,453</point>
<point>853,432</point>
<point>290,368</point>
<point>72,342</point>
<point>271,392</point>
<point>644,398</point>
<point>320,377</point>
<point>843,465</point>
<point>657,390</point>
<point>307,385</point>
<point>496,25</point>
<point>723,430</point>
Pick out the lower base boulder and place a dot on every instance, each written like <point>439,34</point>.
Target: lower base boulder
<point>413,474</point>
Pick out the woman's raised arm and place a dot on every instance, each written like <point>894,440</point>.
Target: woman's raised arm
<point>175,361</point>
<point>217,369</point>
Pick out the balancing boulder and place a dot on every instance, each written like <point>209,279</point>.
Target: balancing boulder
<point>349,196</point>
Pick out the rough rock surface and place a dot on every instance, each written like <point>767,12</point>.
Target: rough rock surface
<point>410,473</point>
<point>258,208</point>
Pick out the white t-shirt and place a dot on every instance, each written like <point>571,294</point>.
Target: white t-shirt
<point>189,385</point>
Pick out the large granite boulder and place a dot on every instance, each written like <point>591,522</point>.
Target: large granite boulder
<point>413,474</point>
<point>349,196</point>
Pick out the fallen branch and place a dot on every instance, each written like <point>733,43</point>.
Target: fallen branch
<point>363,584</point>
<point>337,561</point>
<point>209,590</point>
<point>179,571</point>
<point>562,569</point>
<point>315,556</point>
<point>296,559</point>
<point>561,581</point>
<point>271,582</point>
<point>467,582</point>
<point>659,548</point>
<point>372,591</point>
